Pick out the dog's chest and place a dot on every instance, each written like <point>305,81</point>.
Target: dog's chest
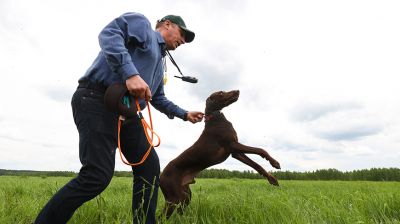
<point>220,155</point>
<point>228,134</point>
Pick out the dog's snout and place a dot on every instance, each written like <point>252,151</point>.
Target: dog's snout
<point>235,92</point>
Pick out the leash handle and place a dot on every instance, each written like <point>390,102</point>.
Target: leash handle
<point>146,128</point>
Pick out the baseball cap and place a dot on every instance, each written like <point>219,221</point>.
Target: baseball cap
<point>189,35</point>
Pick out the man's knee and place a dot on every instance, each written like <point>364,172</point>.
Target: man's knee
<point>95,181</point>
<point>100,184</point>
<point>150,168</point>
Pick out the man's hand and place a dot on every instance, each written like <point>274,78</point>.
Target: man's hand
<point>195,116</point>
<point>137,87</point>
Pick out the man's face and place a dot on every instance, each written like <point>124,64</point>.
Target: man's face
<point>173,36</point>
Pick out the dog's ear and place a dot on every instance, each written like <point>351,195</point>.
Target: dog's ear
<point>210,104</point>
<point>211,99</point>
<point>213,102</point>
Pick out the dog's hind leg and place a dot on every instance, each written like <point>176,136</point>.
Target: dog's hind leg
<point>178,204</point>
<point>168,209</point>
<point>171,191</point>
<point>188,194</point>
<point>246,160</point>
<point>236,147</point>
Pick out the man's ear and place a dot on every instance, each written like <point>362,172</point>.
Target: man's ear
<point>167,24</point>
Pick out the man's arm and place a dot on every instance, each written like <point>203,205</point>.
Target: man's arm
<point>121,35</point>
<point>195,116</point>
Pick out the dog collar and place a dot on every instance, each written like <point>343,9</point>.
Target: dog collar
<point>212,115</point>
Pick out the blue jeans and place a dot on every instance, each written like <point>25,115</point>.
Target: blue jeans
<point>97,129</point>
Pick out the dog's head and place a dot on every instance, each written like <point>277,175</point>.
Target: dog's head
<point>218,100</point>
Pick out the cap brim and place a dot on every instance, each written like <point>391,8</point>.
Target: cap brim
<point>189,35</point>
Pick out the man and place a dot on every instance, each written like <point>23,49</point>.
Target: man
<point>131,53</point>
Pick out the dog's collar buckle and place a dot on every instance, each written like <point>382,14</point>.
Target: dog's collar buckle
<point>212,115</point>
<point>208,118</point>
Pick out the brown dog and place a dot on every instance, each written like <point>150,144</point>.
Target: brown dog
<point>217,142</point>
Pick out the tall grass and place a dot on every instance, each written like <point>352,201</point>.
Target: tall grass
<point>219,201</point>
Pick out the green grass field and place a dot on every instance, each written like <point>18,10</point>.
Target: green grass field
<point>219,201</point>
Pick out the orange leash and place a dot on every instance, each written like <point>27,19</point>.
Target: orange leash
<point>146,129</point>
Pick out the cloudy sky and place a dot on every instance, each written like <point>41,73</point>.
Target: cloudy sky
<point>318,79</point>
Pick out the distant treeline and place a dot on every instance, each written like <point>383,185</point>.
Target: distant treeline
<point>374,174</point>
<point>37,173</point>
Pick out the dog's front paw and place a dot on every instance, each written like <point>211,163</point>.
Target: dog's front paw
<point>275,164</point>
<point>272,180</point>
